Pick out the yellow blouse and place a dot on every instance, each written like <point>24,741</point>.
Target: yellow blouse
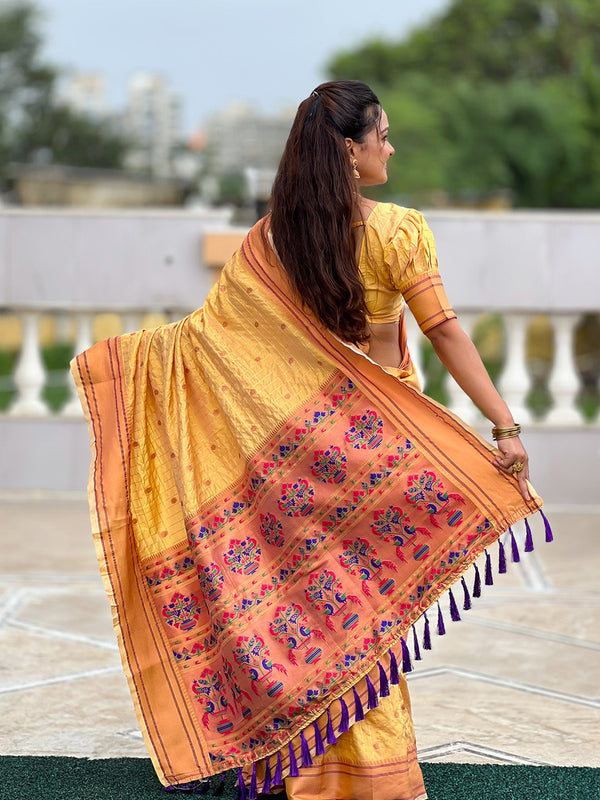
<point>398,263</point>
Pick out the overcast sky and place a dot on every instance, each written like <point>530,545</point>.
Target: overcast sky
<point>268,52</point>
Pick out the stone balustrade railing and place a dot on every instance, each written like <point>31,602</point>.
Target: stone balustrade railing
<point>75,265</point>
<point>30,375</point>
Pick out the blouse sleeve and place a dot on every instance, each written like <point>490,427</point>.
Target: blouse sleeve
<point>411,260</point>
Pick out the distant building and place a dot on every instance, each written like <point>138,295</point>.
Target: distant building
<point>240,137</point>
<point>85,93</point>
<point>153,121</point>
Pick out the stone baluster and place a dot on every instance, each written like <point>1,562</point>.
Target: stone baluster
<point>458,402</point>
<point>564,380</point>
<point>514,380</point>
<point>414,339</point>
<point>131,321</point>
<point>30,372</point>
<point>84,321</point>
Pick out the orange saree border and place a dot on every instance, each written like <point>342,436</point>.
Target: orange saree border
<point>137,628</point>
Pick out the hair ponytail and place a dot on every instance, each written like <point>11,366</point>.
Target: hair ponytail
<point>313,201</point>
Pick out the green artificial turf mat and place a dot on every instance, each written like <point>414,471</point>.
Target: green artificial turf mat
<point>53,778</point>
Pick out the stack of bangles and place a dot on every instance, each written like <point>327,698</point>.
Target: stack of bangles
<point>507,433</point>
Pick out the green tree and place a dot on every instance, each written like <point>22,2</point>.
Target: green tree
<point>486,40</point>
<point>507,99</point>
<point>32,124</point>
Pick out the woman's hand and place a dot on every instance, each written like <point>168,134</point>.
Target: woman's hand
<point>513,453</point>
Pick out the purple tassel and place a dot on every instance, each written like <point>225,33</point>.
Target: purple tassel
<point>372,701</point>
<point>489,581</point>
<point>278,775</point>
<point>406,665</point>
<point>241,792</point>
<point>267,781</point>
<point>501,558</point>
<point>440,626</point>
<point>293,763</point>
<point>528,538</point>
<point>345,719</point>
<point>514,547</point>
<point>319,746</point>
<point>454,615</point>
<point>549,537</point>
<point>477,582</point>
<point>330,733</point>
<point>305,751</point>
<point>416,644</point>
<point>394,677</point>
<point>426,635</point>
<point>467,596</point>
<point>359,714</point>
<point>253,793</point>
<point>384,686</point>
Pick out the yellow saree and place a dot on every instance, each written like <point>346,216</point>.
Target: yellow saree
<point>272,512</point>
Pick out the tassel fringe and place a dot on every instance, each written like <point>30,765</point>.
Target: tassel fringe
<point>394,676</point>
<point>489,580</point>
<point>477,582</point>
<point>305,751</point>
<point>467,596</point>
<point>359,714</point>
<point>549,536</point>
<point>241,793</point>
<point>372,701</point>
<point>331,738</point>
<point>501,558</point>
<point>426,634</point>
<point>278,776</point>
<point>406,665</point>
<point>319,746</point>
<point>384,686</point>
<point>385,679</point>
<point>345,717</point>
<point>514,547</point>
<point>441,628</point>
<point>253,793</point>
<point>267,781</point>
<point>293,763</point>
<point>416,649</point>
<point>528,538</point>
<point>454,615</point>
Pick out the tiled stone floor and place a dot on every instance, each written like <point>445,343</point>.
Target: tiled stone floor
<point>517,681</point>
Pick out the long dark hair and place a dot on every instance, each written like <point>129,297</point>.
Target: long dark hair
<point>313,200</point>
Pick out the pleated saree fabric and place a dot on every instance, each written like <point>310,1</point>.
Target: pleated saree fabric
<point>272,512</point>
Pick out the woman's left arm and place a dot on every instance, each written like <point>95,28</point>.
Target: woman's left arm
<point>460,357</point>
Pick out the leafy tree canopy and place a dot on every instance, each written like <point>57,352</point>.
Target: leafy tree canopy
<point>494,96</point>
<point>32,125</point>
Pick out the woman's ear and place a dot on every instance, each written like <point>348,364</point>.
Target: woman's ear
<point>349,146</point>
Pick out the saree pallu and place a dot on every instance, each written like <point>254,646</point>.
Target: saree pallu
<point>272,512</point>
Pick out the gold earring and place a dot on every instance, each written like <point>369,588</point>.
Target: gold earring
<point>355,172</point>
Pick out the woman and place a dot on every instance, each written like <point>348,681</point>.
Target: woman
<point>276,504</point>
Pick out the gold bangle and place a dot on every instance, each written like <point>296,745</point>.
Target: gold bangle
<point>506,433</point>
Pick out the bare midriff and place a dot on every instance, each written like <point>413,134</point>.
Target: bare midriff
<point>384,345</point>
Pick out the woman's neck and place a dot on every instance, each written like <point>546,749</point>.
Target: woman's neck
<point>362,208</point>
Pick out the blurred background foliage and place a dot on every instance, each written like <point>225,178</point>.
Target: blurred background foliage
<point>34,126</point>
<point>495,101</point>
